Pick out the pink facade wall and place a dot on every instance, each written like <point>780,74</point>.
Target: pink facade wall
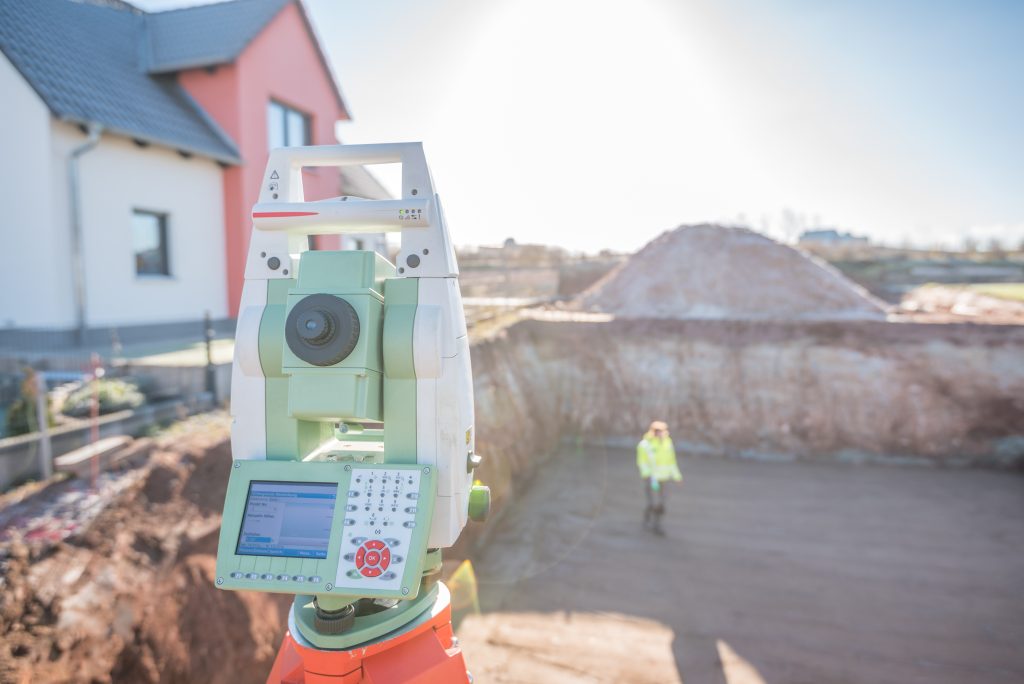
<point>282,63</point>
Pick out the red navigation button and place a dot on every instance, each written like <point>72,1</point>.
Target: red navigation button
<point>360,557</point>
<point>385,559</point>
<point>375,544</point>
<point>370,572</point>
<point>372,557</point>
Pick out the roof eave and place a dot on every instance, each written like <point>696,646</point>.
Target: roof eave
<point>170,68</point>
<point>232,159</point>
<point>213,125</point>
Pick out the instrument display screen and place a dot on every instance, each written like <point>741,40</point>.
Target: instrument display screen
<point>287,519</point>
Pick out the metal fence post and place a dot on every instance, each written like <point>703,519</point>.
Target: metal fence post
<point>211,372</point>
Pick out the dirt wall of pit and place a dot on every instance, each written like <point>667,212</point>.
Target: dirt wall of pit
<point>852,391</point>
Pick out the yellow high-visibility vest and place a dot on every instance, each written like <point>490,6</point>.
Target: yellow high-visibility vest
<point>656,456</point>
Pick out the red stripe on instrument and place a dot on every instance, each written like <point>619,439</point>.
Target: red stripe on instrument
<point>283,214</point>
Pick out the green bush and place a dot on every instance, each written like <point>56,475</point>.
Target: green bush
<point>113,395</point>
<point>21,417</point>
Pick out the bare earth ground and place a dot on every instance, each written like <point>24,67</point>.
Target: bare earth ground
<point>951,304</point>
<point>118,586</point>
<point>777,573</point>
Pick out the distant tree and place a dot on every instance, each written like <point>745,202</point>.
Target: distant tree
<point>969,245</point>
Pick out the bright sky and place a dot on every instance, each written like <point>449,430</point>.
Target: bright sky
<point>594,124</point>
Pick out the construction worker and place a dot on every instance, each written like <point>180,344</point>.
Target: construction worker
<point>656,459</point>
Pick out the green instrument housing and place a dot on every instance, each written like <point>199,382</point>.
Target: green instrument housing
<point>333,574</point>
<point>322,431</point>
<point>351,388</point>
<point>314,417</point>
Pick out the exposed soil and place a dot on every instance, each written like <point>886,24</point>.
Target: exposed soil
<point>707,271</point>
<point>855,391</point>
<point>791,572</point>
<point>787,573</point>
<point>944,304</point>
<point>129,596</point>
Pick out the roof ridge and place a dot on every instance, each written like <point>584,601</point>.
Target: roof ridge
<point>180,39</point>
<point>115,5</point>
<point>201,5</point>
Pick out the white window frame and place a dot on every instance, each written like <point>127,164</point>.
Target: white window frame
<point>287,114</point>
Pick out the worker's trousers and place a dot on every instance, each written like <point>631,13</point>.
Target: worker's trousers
<point>655,503</point>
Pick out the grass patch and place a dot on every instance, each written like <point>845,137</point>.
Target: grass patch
<point>1012,291</point>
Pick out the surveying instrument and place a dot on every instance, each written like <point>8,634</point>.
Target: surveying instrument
<point>352,436</point>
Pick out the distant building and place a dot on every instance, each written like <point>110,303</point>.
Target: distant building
<point>830,237</point>
<point>135,145</point>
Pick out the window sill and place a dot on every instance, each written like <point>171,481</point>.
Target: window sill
<point>154,277</point>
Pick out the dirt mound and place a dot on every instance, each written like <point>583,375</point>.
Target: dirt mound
<point>131,597</point>
<point>708,271</point>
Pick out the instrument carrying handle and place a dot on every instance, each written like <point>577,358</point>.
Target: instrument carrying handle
<point>282,206</point>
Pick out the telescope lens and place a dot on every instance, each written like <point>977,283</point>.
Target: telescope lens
<point>315,327</point>
<point>322,329</point>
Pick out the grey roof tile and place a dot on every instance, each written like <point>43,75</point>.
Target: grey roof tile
<point>204,35</point>
<point>84,62</point>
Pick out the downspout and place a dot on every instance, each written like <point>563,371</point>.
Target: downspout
<point>77,259</point>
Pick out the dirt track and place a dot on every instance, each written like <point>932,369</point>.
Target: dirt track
<point>778,573</point>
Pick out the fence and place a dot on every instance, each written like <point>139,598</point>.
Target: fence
<point>170,363</point>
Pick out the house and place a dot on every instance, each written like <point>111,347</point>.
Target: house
<point>830,237</point>
<point>134,145</point>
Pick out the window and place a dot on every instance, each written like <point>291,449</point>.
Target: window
<point>149,237</point>
<point>286,127</point>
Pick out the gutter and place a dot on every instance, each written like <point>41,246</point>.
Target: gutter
<point>77,260</point>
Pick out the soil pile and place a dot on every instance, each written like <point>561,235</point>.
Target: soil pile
<point>708,271</point>
<point>130,597</point>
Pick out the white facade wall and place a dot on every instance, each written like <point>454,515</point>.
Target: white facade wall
<point>35,285</point>
<point>118,177</point>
